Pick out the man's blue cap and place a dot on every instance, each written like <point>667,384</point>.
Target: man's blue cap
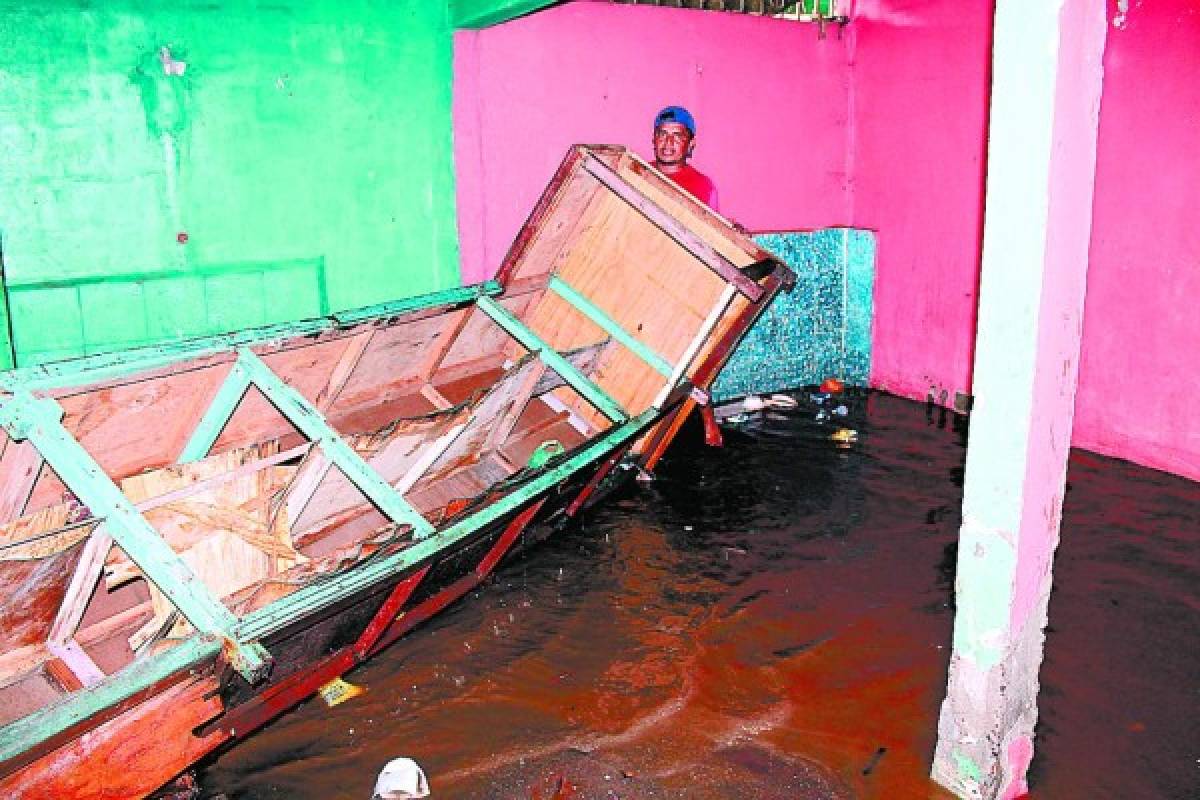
<point>676,114</point>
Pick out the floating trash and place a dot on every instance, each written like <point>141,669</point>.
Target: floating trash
<point>781,401</point>
<point>545,452</point>
<point>339,691</point>
<point>754,403</point>
<point>844,436</point>
<point>400,779</point>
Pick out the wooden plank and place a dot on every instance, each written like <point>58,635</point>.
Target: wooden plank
<point>429,454</point>
<point>553,359</point>
<point>439,401</point>
<point>343,369</point>
<point>387,613</point>
<point>300,492</point>
<point>540,214</point>
<point>695,245</point>
<point>310,422</point>
<point>21,464</point>
<point>392,364</point>
<point>216,481</point>
<point>437,353</point>
<point>77,661</point>
<point>40,420</point>
<point>57,669</point>
<point>585,359</point>
<point>83,583</point>
<point>610,326</point>
<point>220,409</point>
<point>522,394</point>
<point>701,338</point>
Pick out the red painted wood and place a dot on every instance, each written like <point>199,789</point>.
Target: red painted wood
<point>385,628</point>
<point>131,754</point>
<point>387,612</point>
<point>595,480</point>
<point>506,540</point>
<point>536,217</point>
<point>712,431</point>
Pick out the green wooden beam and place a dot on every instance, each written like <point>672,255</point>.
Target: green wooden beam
<point>311,598</point>
<point>24,416</point>
<point>30,733</point>
<point>106,366</point>
<point>311,422</point>
<point>449,297</point>
<point>597,315</point>
<point>217,416</point>
<point>553,359</point>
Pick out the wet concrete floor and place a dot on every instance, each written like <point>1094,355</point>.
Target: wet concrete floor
<point>771,620</point>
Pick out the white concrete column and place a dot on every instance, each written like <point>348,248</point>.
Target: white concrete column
<point>1041,169</point>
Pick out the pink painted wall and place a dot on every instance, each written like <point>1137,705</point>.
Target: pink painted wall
<point>918,152</point>
<point>884,129</point>
<point>1139,380</point>
<point>770,101</point>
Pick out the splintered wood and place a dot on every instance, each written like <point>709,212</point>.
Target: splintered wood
<point>254,523</point>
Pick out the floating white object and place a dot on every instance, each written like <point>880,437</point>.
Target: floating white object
<point>400,779</point>
<point>781,401</point>
<point>754,403</point>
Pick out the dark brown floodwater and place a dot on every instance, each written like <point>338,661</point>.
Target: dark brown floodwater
<point>771,620</point>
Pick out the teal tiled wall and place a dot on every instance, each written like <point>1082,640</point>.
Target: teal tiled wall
<point>821,329</point>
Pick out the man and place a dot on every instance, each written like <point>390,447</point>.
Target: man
<point>674,141</point>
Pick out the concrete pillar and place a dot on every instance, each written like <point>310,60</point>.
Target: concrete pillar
<point>1041,169</point>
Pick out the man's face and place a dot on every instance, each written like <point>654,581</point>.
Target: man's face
<point>672,144</point>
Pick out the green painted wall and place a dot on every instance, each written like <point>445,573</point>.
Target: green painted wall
<point>304,147</point>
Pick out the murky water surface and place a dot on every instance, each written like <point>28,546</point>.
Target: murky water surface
<point>771,620</point>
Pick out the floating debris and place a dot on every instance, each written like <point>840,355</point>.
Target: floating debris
<point>844,436</point>
<point>339,691</point>
<point>401,779</point>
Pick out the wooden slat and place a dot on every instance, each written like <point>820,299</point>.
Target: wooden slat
<point>21,465</point>
<point>694,244</point>
<point>439,401</point>
<point>77,661</point>
<point>343,369</point>
<point>83,583</point>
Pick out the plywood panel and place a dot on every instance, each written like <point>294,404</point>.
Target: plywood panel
<point>394,361</point>
<point>663,306</point>
<point>31,590</point>
<point>482,337</point>
<point>142,425</point>
<point>714,229</point>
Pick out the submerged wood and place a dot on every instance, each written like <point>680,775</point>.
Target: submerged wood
<point>438,438</point>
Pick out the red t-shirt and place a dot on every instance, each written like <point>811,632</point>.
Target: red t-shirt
<point>697,184</point>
